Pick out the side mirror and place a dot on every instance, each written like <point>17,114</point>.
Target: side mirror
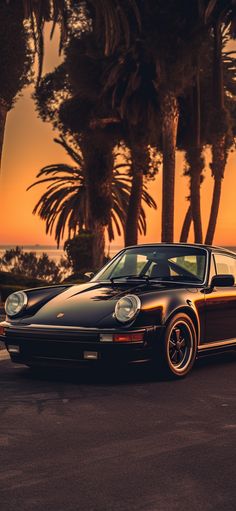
<point>89,275</point>
<point>226,280</point>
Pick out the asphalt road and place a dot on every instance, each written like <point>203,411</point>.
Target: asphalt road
<point>102,442</point>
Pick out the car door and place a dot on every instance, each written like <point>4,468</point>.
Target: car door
<point>220,303</point>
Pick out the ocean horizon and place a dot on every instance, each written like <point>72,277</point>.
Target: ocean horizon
<point>52,250</point>
<point>56,253</point>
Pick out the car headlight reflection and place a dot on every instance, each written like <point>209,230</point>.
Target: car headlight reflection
<point>127,308</point>
<point>15,303</point>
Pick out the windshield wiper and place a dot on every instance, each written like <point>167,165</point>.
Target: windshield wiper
<point>130,277</point>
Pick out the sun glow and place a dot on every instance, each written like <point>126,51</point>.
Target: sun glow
<point>29,146</point>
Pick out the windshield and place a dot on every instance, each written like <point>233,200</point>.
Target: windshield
<point>163,263</point>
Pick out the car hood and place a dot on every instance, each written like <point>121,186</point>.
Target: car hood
<point>91,305</point>
<point>84,305</point>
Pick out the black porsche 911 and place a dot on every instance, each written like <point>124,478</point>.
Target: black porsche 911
<point>164,303</point>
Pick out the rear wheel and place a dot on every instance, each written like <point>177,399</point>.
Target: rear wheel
<point>177,351</point>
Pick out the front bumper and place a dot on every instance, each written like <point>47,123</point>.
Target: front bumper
<point>67,346</point>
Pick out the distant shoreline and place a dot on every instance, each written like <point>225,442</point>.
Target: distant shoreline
<point>54,247</point>
<point>41,247</point>
<point>51,250</point>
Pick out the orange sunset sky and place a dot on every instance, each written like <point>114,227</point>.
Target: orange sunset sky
<point>29,146</point>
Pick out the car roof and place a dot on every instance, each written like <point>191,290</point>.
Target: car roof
<point>210,248</point>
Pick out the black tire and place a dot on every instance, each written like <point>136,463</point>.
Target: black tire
<point>178,348</point>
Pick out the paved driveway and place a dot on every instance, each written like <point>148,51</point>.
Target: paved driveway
<point>2,316</point>
<point>118,443</point>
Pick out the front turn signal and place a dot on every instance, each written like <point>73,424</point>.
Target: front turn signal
<point>2,331</point>
<point>129,337</point>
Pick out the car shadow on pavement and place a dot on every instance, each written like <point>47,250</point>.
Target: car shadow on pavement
<point>118,375</point>
<point>91,376</point>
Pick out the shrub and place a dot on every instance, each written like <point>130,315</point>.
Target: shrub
<point>10,282</point>
<point>79,252</point>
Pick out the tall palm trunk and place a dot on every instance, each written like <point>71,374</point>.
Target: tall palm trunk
<point>219,159</point>
<point>219,146</point>
<point>195,162</point>
<point>195,206</point>
<point>170,117</point>
<point>99,162</point>
<point>98,247</point>
<point>195,159</point>
<point>140,163</point>
<point>196,165</point>
<point>3,117</point>
<point>186,225</point>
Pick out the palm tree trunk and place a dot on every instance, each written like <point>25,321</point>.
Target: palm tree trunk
<point>99,162</point>
<point>196,165</point>
<point>3,117</point>
<point>195,161</point>
<point>140,162</point>
<point>186,226</point>
<point>219,159</point>
<point>170,117</point>
<point>219,145</point>
<point>214,211</point>
<point>196,210</point>
<point>98,248</point>
<point>99,172</point>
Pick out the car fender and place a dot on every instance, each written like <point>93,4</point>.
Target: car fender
<point>187,307</point>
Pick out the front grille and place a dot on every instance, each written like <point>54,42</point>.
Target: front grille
<point>52,336</point>
<point>51,349</point>
<point>56,345</point>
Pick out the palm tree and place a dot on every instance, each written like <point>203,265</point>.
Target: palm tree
<point>15,59</point>
<point>221,130</point>
<point>145,82</point>
<point>110,20</point>
<point>178,64</point>
<point>174,34</point>
<point>191,139</point>
<point>128,87</point>
<point>70,98</point>
<point>166,34</point>
<point>208,129</point>
<point>64,204</point>
<point>140,160</point>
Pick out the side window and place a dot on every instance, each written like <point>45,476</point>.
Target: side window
<point>225,265</point>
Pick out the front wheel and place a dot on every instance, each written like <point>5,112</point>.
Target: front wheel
<point>177,350</point>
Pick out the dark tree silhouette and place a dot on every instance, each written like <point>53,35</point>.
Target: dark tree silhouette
<point>15,59</point>
<point>64,204</point>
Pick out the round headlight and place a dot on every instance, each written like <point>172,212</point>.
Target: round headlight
<point>127,308</point>
<point>16,303</point>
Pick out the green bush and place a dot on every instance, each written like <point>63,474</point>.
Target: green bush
<point>5,291</point>
<point>79,252</point>
<point>10,282</point>
<point>27,264</point>
<point>19,280</point>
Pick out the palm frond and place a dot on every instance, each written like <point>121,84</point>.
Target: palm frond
<point>63,205</point>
